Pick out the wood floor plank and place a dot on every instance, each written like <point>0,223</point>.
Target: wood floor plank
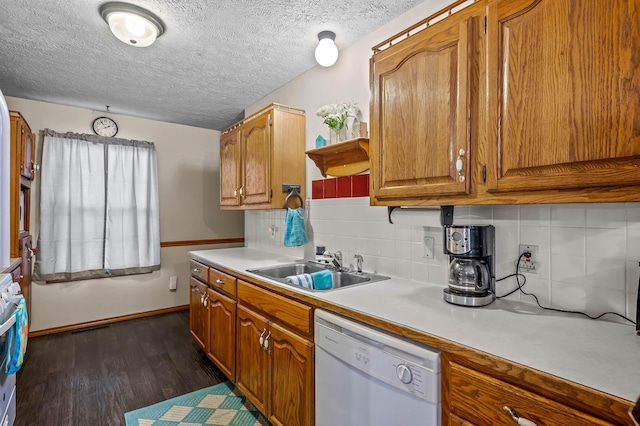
<point>93,377</point>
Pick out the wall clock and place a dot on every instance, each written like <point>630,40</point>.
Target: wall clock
<point>104,126</point>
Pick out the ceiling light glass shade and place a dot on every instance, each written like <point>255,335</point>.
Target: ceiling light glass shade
<point>131,24</point>
<point>326,51</point>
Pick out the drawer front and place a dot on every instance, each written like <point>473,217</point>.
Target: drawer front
<point>199,271</point>
<point>481,399</point>
<point>222,281</point>
<point>288,311</point>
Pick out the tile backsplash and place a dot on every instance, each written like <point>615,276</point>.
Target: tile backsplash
<point>588,253</point>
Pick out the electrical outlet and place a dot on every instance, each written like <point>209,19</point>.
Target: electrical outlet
<point>173,283</point>
<point>428,247</point>
<point>528,264</point>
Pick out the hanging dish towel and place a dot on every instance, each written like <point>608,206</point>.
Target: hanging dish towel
<point>17,347</point>
<point>295,233</point>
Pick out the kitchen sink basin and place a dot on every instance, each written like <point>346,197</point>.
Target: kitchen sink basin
<point>341,279</point>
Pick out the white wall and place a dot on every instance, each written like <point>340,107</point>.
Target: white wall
<point>588,253</point>
<point>189,190</point>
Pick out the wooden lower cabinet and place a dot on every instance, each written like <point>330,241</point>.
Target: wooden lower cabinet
<point>478,399</point>
<point>275,369</point>
<point>198,313</point>
<point>252,368</point>
<point>292,378</point>
<point>221,346</point>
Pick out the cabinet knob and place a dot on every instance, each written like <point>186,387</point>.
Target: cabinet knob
<point>459,165</point>
<point>196,270</point>
<point>519,420</point>
<point>219,282</point>
<point>242,191</point>
<point>262,338</point>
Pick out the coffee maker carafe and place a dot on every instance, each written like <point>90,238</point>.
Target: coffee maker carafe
<point>471,264</point>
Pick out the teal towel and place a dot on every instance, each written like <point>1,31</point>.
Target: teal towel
<point>322,280</point>
<point>295,233</point>
<point>17,346</point>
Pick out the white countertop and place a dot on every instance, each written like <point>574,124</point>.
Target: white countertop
<point>599,354</point>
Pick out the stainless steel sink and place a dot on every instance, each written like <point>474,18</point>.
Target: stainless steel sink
<point>341,279</point>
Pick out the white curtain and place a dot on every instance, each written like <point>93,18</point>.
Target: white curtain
<point>99,210</point>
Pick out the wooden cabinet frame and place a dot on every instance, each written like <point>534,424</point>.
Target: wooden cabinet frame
<point>260,154</point>
<point>553,125</point>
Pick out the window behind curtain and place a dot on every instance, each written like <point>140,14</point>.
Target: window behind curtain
<point>99,213</point>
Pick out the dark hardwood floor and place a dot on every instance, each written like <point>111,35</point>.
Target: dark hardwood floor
<point>93,377</point>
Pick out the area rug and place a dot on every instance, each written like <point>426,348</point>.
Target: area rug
<point>221,404</point>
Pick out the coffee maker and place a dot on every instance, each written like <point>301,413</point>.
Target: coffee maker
<point>471,264</point>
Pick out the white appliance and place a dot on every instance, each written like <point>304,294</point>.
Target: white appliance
<point>367,377</point>
<point>5,132</point>
<point>9,296</point>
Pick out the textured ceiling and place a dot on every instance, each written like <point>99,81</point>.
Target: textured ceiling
<point>215,58</point>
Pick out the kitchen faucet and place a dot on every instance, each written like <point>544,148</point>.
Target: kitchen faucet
<point>336,258</point>
<point>359,261</point>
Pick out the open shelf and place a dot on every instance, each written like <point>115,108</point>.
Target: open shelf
<point>342,159</point>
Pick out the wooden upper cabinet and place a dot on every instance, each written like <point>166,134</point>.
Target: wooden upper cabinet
<point>27,152</point>
<point>421,112</point>
<point>260,154</point>
<point>256,146</point>
<point>230,168</point>
<point>564,79</point>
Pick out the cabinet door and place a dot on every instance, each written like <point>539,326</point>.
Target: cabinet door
<point>256,157</point>
<point>198,311</point>
<point>252,368</point>
<point>564,93</point>
<point>292,378</point>
<point>222,333</point>
<point>420,113</point>
<point>230,168</point>
<point>26,151</point>
<point>25,283</point>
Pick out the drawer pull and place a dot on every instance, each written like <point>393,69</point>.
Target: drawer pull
<point>196,270</point>
<point>219,281</point>
<point>519,420</point>
<point>262,338</point>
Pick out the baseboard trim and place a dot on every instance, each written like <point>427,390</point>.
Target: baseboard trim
<point>96,323</point>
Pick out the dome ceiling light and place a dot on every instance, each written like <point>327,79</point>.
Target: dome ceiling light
<point>132,24</point>
<point>326,51</point>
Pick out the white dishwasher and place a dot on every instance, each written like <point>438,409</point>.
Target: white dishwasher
<point>367,377</point>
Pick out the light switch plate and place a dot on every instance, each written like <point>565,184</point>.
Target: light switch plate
<point>173,283</point>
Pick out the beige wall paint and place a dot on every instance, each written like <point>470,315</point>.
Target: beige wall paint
<point>189,186</point>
